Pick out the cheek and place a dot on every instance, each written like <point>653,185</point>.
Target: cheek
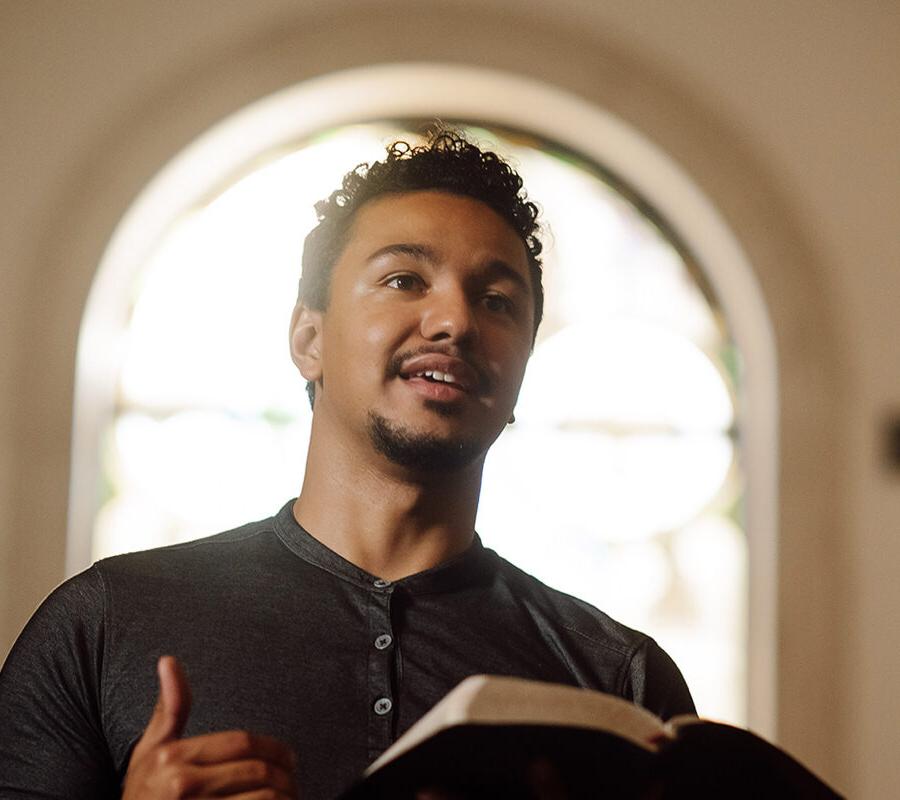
<point>378,332</point>
<point>369,343</point>
<point>510,365</point>
<point>510,350</point>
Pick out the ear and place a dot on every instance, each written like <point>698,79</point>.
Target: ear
<point>306,341</point>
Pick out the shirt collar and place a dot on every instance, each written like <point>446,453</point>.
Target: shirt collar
<point>452,574</point>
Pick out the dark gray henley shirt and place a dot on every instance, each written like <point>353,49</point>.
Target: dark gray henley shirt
<point>280,635</point>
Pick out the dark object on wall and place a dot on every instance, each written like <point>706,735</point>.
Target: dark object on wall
<point>892,441</point>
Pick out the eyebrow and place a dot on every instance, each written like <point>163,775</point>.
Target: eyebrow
<point>420,252</point>
<point>504,270</point>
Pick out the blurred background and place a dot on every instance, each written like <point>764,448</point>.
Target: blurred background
<point>707,443</point>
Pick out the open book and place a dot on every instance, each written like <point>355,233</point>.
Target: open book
<point>487,738</point>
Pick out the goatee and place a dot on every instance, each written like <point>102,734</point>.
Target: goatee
<point>422,452</point>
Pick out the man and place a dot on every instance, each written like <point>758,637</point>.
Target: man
<point>307,642</point>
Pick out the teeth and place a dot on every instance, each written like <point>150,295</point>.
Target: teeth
<point>435,375</point>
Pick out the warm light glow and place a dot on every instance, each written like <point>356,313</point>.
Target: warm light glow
<point>626,375</point>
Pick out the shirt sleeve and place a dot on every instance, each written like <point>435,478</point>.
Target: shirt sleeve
<point>655,682</point>
<point>51,732</point>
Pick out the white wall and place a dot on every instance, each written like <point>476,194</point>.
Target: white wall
<point>787,114</point>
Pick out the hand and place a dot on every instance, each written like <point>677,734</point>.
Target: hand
<point>234,764</point>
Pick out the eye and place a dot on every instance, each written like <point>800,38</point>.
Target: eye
<point>499,303</point>
<point>405,282</point>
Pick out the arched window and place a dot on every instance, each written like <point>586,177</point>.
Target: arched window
<point>628,478</point>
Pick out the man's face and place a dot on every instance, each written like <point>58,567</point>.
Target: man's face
<point>428,329</point>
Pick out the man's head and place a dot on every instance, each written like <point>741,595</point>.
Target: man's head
<point>447,162</point>
<point>422,283</point>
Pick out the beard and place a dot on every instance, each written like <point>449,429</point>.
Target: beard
<point>421,452</point>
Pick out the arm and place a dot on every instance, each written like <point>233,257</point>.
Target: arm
<point>51,732</point>
<point>52,740</point>
<point>655,682</point>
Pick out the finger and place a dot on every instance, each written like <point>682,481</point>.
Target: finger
<point>175,694</point>
<point>173,704</point>
<point>216,748</point>
<point>246,775</point>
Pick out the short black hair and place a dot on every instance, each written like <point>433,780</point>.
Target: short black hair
<point>446,162</point>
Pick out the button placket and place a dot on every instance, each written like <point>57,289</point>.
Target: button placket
<point>381,667</point>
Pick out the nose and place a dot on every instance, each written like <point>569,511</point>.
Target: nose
<point>448,314</point>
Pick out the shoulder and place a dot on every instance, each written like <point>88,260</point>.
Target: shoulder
<point>568,612</point>
<point>51,696</point>
<point>71,616</point>
<point>57,660</point>
<point>220,551</point>
<point>601,652</point>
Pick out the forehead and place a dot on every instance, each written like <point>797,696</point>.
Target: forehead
<point>455,224</point>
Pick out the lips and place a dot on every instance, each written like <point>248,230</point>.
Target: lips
<point>441,371</point>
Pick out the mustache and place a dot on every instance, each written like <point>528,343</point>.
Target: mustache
<point>474,362</point>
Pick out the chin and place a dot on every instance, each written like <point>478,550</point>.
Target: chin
<point>422,451</point>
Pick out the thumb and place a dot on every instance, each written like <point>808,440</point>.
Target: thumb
<point>172,705</point>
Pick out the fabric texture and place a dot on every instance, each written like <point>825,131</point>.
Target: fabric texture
<point>280,635</point>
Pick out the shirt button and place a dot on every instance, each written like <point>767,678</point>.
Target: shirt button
<point>381,583</point>
<point>383,706</point>
<point>383,641</point>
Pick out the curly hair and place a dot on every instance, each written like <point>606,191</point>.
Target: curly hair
<point>447,162</point>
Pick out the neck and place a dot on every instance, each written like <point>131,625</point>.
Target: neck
<point>380,517</point>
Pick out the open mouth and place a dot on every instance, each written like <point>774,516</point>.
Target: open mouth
<point>435,376</point>
<point>441,374</point>
<point>436,386</point>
